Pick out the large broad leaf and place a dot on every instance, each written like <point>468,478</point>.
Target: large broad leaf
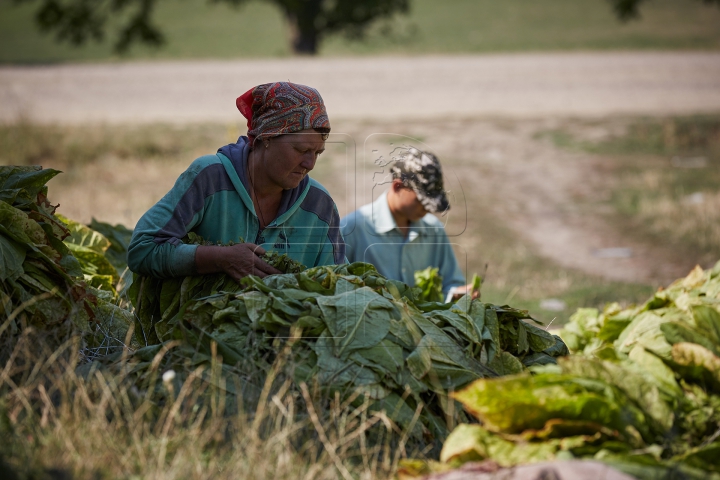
<point>676,332</point>
<point>357,319</point>
<point>20,185</point>
<point>18,226</point>
<point>516,403</point>
<point>342,375</point>
<point>645,331</point>
<point>387,355</point>
<point>506,363</point>
<point>657,370</point>
<point>491,333</point>
<point>119,237</point>
<point>475,443</point>
<point>698,362</point>
<point>636,386</point>
<point>82,236</point>
<point>12,256</point>
<point>707,320</point>
<point>93,262</point>
<point>704,457</point>
<point>539,339</point>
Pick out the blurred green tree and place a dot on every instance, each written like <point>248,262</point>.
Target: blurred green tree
<point>80,21</point>
<point>630,9</point>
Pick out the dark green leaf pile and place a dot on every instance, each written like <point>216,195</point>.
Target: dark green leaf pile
<point>360,333</point>
<point>38,273</point>
<point>50,265</point>
<point>642,393</point>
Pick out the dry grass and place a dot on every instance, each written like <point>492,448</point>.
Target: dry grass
<point>61,416</point>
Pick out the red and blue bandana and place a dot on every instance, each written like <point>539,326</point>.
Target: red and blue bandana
<point>274,109</point>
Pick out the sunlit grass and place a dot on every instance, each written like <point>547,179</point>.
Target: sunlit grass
<point>666,177</point>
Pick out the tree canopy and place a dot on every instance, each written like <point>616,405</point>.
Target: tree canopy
<point>80,21</point>
<point>630,9</point>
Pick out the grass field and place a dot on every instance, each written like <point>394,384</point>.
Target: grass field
<point>197,29</point>
<point>668,172</point>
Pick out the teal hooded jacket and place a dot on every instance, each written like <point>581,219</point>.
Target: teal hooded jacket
<point>211,199</point>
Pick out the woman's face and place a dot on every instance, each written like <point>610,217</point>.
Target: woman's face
<point>290,157</point>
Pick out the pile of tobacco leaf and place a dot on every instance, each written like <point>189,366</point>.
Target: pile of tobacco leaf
<point>355,332</point>
<point>642,393</point>
<point>53,271</point>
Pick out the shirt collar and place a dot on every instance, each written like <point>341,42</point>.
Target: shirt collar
<point>383,220</point>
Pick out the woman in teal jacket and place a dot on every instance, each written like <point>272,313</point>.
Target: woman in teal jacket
<point>255,191</point>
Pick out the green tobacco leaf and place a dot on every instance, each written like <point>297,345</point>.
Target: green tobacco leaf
<point>559,349</point>
<point>493,332</point>
<point>516,403</point>
<point>82,236</point>
<point>19,227</point>
<point>612,328</point>
<point>678,333</point>
<point>12,256</point>
<point>443,349</point>
<point>475,443</point>
<point>698,362</point>
<point>20,185</point>
<point>119,237</point>
<point>540,339</point>
<point>357,320</point>
<point>707,320</point>
<point>430,283</point>
<point>645,330</point>
<point>657,369</point>
<point>704,457</point>
<point>460,321</point>
<point>506,364</point>
<point>522,338</point>
<point>387,354</point>
<point>93,262</point>
<point>636,386</point>
<point>539,358</point>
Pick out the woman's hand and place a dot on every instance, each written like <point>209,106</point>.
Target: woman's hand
<point>237,261</point>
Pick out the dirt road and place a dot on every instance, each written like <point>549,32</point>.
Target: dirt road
<point>520,85</point>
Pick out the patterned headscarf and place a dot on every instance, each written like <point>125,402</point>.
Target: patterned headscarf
<point>274,109</point>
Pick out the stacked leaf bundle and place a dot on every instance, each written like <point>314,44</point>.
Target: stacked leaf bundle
<point>46,260</point>
<point>360,333</point>
<point>643,394</point>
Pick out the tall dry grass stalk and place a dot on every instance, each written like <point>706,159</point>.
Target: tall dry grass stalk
<point>58,414</point>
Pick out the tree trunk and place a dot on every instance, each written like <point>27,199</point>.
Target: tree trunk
<point>305,34</point>
<point>305,42</point>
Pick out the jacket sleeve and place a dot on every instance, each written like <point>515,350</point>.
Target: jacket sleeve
<point>156,248</point>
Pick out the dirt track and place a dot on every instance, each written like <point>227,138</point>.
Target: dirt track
<point>521,85</point>
<point>392,92</point>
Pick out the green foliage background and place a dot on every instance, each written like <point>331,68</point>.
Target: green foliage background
<point>197,29</point>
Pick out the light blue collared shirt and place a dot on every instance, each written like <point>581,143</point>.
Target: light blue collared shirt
<point>372,236</point>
